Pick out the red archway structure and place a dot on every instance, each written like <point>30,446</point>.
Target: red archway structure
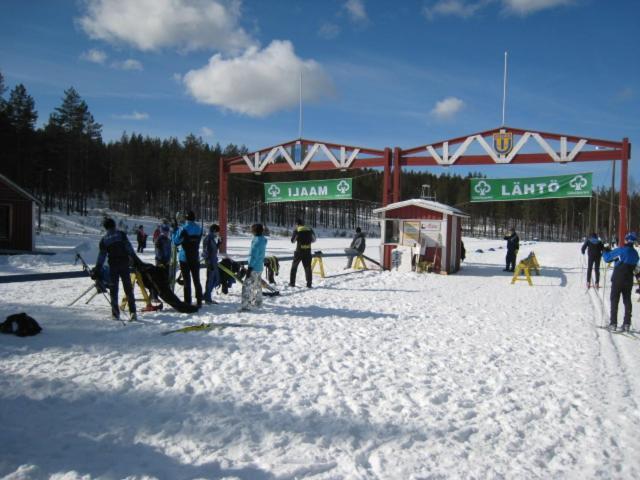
<point>475,149</point>
<point>552,148</point>
<point>299,156</point>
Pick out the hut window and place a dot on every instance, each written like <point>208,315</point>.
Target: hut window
<point>392,231</point>
<point>5,219</point>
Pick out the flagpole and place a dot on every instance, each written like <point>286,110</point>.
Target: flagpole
<point>300,102</point>
<point>504,89</point>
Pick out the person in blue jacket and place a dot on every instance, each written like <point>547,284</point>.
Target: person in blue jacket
<point>626,259</point>
<point>187,238</point>
<point>210,246</point>
<point>252,287</point>
<point>594,246</point>
<point>115,247</point>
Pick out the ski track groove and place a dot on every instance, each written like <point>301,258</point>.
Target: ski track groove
<point>612,363</point>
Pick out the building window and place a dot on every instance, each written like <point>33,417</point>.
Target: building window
<point>5,222</point>
<point>392,231</point>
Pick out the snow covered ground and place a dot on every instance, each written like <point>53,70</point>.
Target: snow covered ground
<point>367,375</point>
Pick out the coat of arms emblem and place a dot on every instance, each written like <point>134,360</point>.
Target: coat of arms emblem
<point>503,142</point>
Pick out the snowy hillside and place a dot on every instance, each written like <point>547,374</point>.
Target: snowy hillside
<point>367,375</point>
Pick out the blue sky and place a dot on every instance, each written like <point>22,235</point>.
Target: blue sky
<point>375,73</point>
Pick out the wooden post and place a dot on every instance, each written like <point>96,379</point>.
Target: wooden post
<point>386,178</point>
<point>624,199</point>
<point>222,203</point>
<point>397,169</point>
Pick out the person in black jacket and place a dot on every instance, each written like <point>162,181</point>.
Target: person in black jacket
<point>303,236</point>
<point>595,247</point>
<point>141,236</point>
<point>357,247</point>
<point>116,247</point>
<point>513,245</point>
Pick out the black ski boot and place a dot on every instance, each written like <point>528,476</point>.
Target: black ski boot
<point>626,327</point>
<point>612,327</point>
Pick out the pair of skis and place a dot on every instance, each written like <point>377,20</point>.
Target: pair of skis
<point>623,333</point>
<point>99,285</point>
<point>271,292</point>
<point>212,326</point>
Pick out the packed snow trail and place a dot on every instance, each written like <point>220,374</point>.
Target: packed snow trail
<point>374,375</point>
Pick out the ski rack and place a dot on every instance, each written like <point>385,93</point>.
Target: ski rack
<point>41,277</point>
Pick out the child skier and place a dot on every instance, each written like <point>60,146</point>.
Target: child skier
<point>115,247</point>
<point>622,279</point>
<point>210,246</point>
<point>252,288</point>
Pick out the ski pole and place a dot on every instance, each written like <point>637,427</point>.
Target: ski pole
<point>604,289</point>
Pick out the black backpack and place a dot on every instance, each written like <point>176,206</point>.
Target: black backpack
<point>21,325</point>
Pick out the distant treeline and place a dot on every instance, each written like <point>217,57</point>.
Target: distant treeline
<point>66,163</point>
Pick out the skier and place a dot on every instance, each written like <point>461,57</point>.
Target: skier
<point>210,246</point>
<point>158,230</point>
<point>156,234</point>
<point>513,245</point>
<point>622,279</point>
<point>252,287</point>
<point>188,237</point>
<point>115,247</point>
<point>595,247</point>
<point>358,244</point>
<point>303,236</point>
<point>141,236</point>
<point>162,246</point>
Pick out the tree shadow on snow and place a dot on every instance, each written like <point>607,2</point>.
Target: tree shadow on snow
<point>315,311</point>
<point>69,327</point>
<point>103,433</point>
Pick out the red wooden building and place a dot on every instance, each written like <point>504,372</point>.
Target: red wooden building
<point>17,215</point>
<point>428,228</point>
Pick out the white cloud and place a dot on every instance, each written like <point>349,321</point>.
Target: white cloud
<point>625,94</point>
<point>206,132</point>
<point>468,8</point>
<point>156,24</point>
<point>128,64</point>
<point>447,108</point>
<point>460,8</point>
<point>133,116</point>
<point>94,55</point>
<point>525,7</point>
<point>329,31</point>
<point>258,82</point>
<point>356,10</point>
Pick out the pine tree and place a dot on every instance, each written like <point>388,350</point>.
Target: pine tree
<point>20,110</point>
<point>74,125</point>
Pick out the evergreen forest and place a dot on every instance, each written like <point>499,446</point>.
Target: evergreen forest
<point>67,164</point>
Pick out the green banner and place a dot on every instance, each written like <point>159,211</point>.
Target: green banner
<point>506,189</point>
<point>333,189</point>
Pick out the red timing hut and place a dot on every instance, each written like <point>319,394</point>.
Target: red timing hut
<point>425,227</point>
<point>17,207</point>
